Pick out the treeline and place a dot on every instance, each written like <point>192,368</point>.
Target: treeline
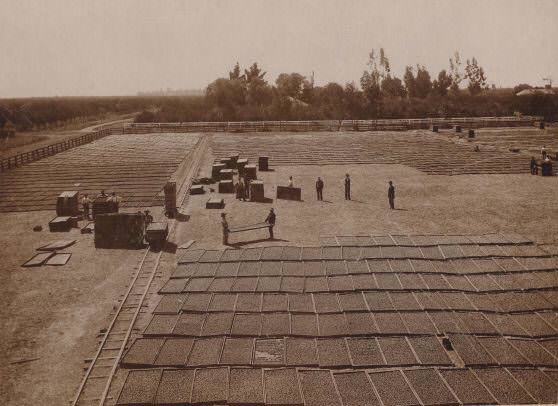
<point>459,90</point>
<point>41,113</point>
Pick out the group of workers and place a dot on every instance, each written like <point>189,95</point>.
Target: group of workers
<point>114,201</point>
<point>347,183</point>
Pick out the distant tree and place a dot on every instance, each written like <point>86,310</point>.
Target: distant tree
<point>520,87</point>
<point>385,69</point>
<point>370,81</point>
<point>442,84</point>
<point>330,99</point>
<point>423,84</point>
<point>226,93</point>
<point>393,86</point>
<point>353,101</point>
<point>290,84</point>
<point>455,73</point>
<point>235,73</point>
<point>258,92</point>
<point>253,73</point>
<point>476,77</point>
<point>410,82</point>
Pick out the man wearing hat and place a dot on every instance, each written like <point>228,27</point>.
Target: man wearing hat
<point>225,226</point>
<point>270,219</point>
<point>391,195</point>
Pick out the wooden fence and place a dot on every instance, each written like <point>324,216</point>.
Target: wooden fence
<point>331,125</point>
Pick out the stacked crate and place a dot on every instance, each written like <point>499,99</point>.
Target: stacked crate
<point>170,197</point>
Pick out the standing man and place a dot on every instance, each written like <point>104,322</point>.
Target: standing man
<point>290,181</point>
<point>225,226</point>
<point>543,152</point>
<point>115,201</point>
<point>320,188</point>
<point>85,204</point>
<point>391,195</point>
<point>347,187</point>
<point>270,219</point>
<point>533,166</point>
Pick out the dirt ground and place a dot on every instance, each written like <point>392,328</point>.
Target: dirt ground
<point>425,205</point>
<point>51,316</point>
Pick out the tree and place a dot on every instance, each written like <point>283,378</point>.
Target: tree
<point>258,92</point>
<point>423,84</point>
<point>475,74</point>
<point>290,84</point>
<point>455,72</point>
<point>442,84</point>
<point>235,73</point>
<point>409,80</point>
<point>393,86</point>
<point>226,93</point>
<point>370,81</point>
<point>253,73</point>
<point>330,99</point>
<point>353,101</point>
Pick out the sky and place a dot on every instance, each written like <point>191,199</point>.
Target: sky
<point>121,47</point>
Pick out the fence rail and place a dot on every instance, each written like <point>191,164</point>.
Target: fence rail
<point>263,126</point>
<point>331,125</point>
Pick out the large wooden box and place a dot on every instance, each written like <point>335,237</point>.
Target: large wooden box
<point>119,230</point>
<point>263,163</point>
<point>546,168</point>
<point>215,169</point>
<point>101,205</point>
<point>289,193</point>
<point>226,186</point>
<point>226,174</point>
<point>215,203</point>
<point>60,223</point>
<point>67,204</point>
<point>250,172</point>
<point>257,191</point>
<point>197,190</point>
<point>157,233</point>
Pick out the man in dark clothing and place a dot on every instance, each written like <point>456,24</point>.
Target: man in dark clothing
<point>391,195</point>
<point>225,225</point>
<point>270,219</point>
<point>347,187</point>
<point>320,188</point>
<point>533,166</point>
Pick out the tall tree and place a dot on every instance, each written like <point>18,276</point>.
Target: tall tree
<point>455,72</point>
<point>442,84</point>
<point>423,84</point>
<point>353,101</point>
<point>409,80</point>
<point>235,73</point>
<point>290,84</point>
<point>476,77</point>
<point>370,81</point>
<point>393,86</point>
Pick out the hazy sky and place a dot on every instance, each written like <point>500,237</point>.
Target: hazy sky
<point>117,47</point>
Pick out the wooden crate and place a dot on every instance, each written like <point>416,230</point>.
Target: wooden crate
<point>289,193</point>
<point>257,191</point>
<point>67,204</point>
